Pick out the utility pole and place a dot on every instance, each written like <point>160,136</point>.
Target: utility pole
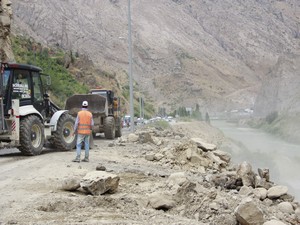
<point>130,70</point>
<point>143,113</point>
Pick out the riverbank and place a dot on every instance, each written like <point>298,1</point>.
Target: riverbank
<point>263,150</point>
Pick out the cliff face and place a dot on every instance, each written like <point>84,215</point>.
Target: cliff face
<point>5,22</point>
<point>214,53</point>
<point>280,88</point>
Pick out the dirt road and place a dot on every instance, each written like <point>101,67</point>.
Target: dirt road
<point>30,187</point>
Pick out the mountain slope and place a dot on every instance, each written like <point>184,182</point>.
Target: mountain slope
<point>214,53</point>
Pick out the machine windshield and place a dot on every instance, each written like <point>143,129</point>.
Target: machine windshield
<point>5,78</point>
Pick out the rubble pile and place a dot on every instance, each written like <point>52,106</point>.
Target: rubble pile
<point>197,182</point>
<point>209,188</point>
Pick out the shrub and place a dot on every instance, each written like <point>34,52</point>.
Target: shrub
<point>271,117</point>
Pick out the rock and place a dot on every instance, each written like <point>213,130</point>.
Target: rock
<point>176,179</point>
<point>297,213</point>
<point>71,183</point>
<point>99,182</point>
<point>161,201</point>
<point>245,190</point>
<point>287,198</point>
<point>158,156</point>
<point>260,193</point>
<point>248,213</point>
<point>133,137</point>
<point>101,168</point>
<point>223,155</point>
<point>147,147</point>
<point>5,21</point>
<point>245,172</point>
<point>274,222</point>
<point>189,154</point>
<point>214,158</point>
<point>200,160</point>
<point>214,206</point>
<point>111,144</point>
<point>203,145</point>
<point>277,191</point>
<point>185,189</point>
<point>145,138</point>
<point>261,182</point>
<point>219,180</point>
<point>286,207</point>
<point>177,137</point>
<point>150,157</point>
<point>157,141</point>
<point>264,173</point>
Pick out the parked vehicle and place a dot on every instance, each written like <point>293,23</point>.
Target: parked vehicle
<point>28,118</point>
<point>106,117</point>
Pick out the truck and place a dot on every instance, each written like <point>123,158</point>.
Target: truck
<point>28,118</point>
<point>107,118</point>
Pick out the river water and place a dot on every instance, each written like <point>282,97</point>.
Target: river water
<point>262,150</point>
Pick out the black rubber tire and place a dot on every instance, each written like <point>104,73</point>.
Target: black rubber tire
<point>118,128</point>
<point>109,127</point>
<point>62,138</point>
<point>32,137</point>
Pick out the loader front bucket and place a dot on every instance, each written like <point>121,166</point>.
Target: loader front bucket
<point>96,103</point>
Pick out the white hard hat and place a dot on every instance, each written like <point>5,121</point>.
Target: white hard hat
<point>85,103</point>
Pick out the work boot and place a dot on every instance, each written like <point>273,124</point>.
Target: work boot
<point>85,160</point>
<point>76,160</point>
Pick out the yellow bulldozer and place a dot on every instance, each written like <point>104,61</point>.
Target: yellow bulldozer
<point>106,114</point>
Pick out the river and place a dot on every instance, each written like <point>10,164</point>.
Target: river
<point>262,150</point>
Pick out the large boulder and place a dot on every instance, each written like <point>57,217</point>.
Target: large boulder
<point>245,172</point>
<point>248,213</point>
<point>100,182</point>
<point>277,191</point>
<point>203,145</point>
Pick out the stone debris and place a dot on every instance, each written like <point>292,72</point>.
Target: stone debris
<point>205,188</point>
<point>99,182</point>
<point>161,201</point>
<point>277,191</point>
<point>248,213</point>
<point>71,183</point>
<point>274,222</point>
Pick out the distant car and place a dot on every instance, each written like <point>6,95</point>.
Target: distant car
<point>170,118</point>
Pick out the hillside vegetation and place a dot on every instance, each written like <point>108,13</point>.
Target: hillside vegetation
<point>53,62</point>
<point>72,74</point>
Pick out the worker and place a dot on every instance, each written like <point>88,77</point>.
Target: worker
<point>115,106</point>
<point>83,126</point>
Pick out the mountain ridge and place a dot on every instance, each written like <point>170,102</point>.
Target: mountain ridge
<point>212,53</point>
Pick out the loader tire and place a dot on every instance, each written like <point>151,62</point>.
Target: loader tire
<point>32,136</point>
<point>63,138</point>
<point>119,129</point>
<point>109,127</point>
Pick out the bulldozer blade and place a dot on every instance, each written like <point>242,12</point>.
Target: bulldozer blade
<point>96,104</point>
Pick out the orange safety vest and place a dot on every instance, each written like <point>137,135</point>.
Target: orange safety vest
<point>115,105</point>
<point>84,125</point>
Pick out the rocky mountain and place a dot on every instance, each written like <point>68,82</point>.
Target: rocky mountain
<point>5,22</point>
<point>220,54</point>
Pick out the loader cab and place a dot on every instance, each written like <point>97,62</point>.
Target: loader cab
<point>22,82</point>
